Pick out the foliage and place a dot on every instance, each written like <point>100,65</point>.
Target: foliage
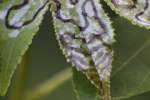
<point>130,67</point>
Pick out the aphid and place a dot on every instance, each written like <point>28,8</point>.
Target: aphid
<point>85,35</point>
<point>17,7</point>
<point>136,10</point>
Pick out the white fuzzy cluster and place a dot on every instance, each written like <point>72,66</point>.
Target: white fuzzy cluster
<point>97,32</point>
<point>138,11</point>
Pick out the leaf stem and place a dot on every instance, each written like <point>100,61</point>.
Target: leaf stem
<point>106,90</point>
<point>49,86</point>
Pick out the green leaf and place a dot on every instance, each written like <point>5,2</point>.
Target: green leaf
<point>85,35</point>
<point>144,96</point>
<point>131,66</point>
<point>130,74</point>
<point>138,12</point>
<point>14,42</point>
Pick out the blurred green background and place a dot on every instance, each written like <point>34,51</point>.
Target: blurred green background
<point>45,59</point>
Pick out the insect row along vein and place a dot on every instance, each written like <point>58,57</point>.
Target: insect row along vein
<point>17,7</point>
<point>136,10</point>
<point>85,35</point>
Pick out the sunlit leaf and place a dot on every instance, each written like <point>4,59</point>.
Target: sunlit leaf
<point>15,41</point>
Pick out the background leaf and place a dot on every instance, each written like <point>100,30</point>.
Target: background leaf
<point>14,43</point>
<point>130,75</point>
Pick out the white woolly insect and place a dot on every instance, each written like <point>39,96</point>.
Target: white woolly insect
<point>136,10</point>
<point>82,26</point>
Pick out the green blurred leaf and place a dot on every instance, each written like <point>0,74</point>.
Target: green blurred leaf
<point>130,75</point>
<point>14,42</point>
<point>131,66</point>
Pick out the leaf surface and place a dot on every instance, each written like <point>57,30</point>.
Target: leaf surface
<point>14,42</point>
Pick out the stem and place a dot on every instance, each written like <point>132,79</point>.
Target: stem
<point>20,80</point>
<point>106,90</point>
<point>49,86</point>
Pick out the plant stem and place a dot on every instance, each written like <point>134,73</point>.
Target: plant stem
<point>106,90</point>
<point>49,86</point>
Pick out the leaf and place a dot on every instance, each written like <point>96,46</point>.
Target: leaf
<point>131,66</point>
<point>130,74</point>
<point>144,96</point>
<point>14,42</point>
<point>137,11</point>
<point>85,35</point>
